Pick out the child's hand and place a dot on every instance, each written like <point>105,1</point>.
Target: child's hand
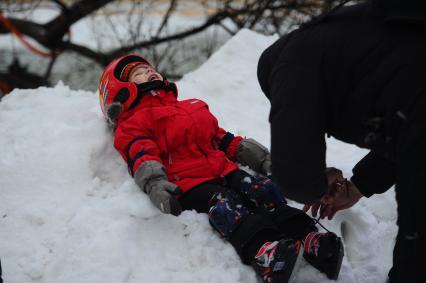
<point>162,193</point>
<point>254,155</point>
<point>151,177</point>
<point>266,166</point>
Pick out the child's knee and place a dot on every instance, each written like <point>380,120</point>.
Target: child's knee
<point>226,212</point>
<point>261,192</point>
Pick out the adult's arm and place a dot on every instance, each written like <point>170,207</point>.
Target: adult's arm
<point>298,130</point>
<point>373,174</point>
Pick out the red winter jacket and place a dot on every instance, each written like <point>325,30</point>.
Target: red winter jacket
<point>183,135</point>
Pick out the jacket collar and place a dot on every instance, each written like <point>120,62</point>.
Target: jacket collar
<point>152,94</point>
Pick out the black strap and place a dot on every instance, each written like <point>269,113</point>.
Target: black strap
<point>227,139</point>
<point>131,162</point>
<point>144,89</point>
<point>129,145</point>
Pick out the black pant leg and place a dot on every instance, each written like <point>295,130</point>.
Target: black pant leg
<point>251,234</point>
<point>198,197</point>
<point>290,221</point>
<point>252,231</point>
<point>410,246</point>
<point>408,260</point>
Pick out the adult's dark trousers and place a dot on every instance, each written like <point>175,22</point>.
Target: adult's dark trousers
<point>410,247</point>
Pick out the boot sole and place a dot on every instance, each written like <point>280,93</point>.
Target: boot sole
<point>336,272</point>
<point>296,266</point>
<point>293,264</point>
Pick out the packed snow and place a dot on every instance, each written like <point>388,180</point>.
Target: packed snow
<point>71,213</point>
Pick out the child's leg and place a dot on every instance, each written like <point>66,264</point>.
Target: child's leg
<point>264,197</point>
<point>292,222</point>
<point>323,250</point>
<point>254,237</point>
<point>246,231</point>
<point>198,198</point>
<point>229,216</point>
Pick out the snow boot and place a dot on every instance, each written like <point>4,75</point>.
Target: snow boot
<point>276,261</point>
<point>324,251</point>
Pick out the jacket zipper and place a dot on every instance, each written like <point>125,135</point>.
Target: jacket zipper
<point>206,158</point>
<point>167,147</point>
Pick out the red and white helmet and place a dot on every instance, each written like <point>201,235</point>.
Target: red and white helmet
<point>113,91</point>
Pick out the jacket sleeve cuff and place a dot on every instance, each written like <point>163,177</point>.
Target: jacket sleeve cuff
<point>373,174</point>
<point>231,151</point>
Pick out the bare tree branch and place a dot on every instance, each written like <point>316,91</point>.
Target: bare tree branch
<point>51,34</point>
<point>267,16</point>
<point>179,35</point>
<point>62,5</point>
<point>99,57</point>
<point>172,7</point>
<point>59,26</point>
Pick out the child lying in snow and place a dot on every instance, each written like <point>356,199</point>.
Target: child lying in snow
<point>183,160</point>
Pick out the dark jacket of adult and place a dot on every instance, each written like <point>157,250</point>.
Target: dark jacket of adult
<point>357,74</point>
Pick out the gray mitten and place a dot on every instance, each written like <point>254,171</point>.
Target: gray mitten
<point>254,155</point>
<point>113,111</point>
<point>152,179</point>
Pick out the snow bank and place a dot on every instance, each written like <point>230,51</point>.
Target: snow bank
<point>71,213</point>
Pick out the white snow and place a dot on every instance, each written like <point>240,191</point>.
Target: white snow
<point>70,213</point>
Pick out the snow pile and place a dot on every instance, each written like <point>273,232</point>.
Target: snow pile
<point>71,213</point>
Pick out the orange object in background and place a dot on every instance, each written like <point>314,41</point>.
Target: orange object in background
<point>4,88</point>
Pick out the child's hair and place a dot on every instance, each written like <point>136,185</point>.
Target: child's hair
<point>125,73</point>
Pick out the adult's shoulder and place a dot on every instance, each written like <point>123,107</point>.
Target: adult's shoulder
<point>401,12</point>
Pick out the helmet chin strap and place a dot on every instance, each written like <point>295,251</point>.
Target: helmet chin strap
<point>153,85</point>
<point>147,88</point>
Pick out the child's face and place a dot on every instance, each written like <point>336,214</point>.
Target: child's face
<point>144,73</point>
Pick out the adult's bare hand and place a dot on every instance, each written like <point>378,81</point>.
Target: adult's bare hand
<point>334,176</point>
<point>341,195</point>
